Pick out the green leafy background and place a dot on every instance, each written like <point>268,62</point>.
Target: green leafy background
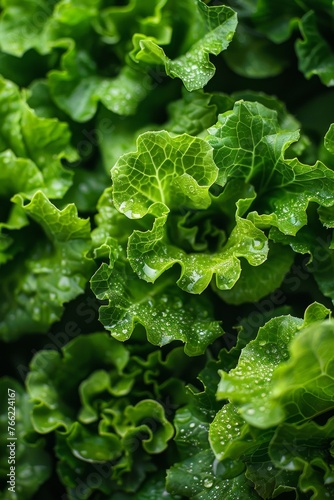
<point>166,248</point>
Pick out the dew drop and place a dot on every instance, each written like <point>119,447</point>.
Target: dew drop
<point>207,482</point>
<point>257,244</point>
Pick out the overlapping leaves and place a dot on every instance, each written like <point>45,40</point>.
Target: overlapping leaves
<point>103,404</point>
<point>53,271</point>
<point>266,26</point>
<point>260,451</point>
<point>280,385</point>
<point>33,145</point>
<point>193,229</point>
<point>251,150</point>
<point>131,35</point>
<point>212,27</point>
<point>166,313</point>
<point>249,143</point>
<point>38,275</point>
<point>162,162</point>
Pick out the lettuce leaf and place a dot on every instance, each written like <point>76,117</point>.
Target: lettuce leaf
<point>38,145</point>
<point>166,313</point>
<point>212,236</point>
<point>172,187</point>
<point>242,139</point>
<point>214,27</point>
<point>32,463</point>
<point>53,272</point>
<point>109,416</point>
<point>314,53</point>
<point>130,34</point>
<point>267,422</point>
<point>274,25</point>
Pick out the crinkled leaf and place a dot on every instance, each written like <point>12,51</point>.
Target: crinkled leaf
<point>313,480</point>
<point>286,120</point>
<point>53,380</point>
<point>38,143</point>
<point>150,256</point>
<point>215,27</point>
<point>257,282</point>
<point>92,447</point>
<point>144,430</point>
<point>18,175</point>
<point>99,383</point>
<point>250,383</point>
<point>149,417</point>
<point>123,94</point>
<point>249,143</point>
<point>77,88</point>
<point>97,399</point>
<point>277,21</point>
<point>198,474</point>
<point>168,185</point>
<point>196,112</point>
<point>166,312</point>
<point>79,39</point>
<point>22,26</point>
<point>192,114</point>
<point>243,138</point>
<point>59,225</point>
<point>285,457</point>
<point>54,271</point>
<point>48,142</point>
<point>165,172</point>
<point>120,22</point>
<point>305,448</point>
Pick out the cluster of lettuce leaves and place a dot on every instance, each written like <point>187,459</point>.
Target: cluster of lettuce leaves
<point>166,248</point>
